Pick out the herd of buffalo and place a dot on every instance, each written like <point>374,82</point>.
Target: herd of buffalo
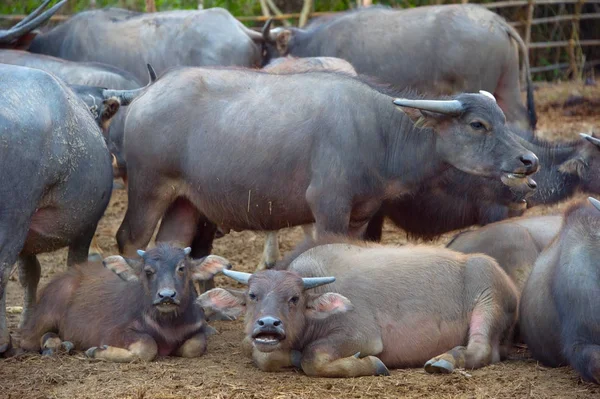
<point>411,115</point>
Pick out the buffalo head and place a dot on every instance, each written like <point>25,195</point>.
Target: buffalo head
<point>166,273</point>
<point>585,165</point>
<point>472,135</point>
<point>277,305</point>
<point>20,35</point>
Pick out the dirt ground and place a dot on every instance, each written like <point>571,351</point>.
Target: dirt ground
<point>224,373</point>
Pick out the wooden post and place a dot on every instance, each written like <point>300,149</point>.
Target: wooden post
<point>306,7</point>
<point>150,6</point>
<point>264,8</point>
<point>530,10</point>
<point>92,4</point>
<point>367,3</point>
<point>464,1</point>
<point>573,59</point>
<point>276,11</point>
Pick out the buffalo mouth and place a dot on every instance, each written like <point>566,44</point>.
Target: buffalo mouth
<point>513,179</point>
<point>166,305</point>
<point>269,338</point>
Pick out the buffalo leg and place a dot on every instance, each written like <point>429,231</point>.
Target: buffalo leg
<point>95,253</point>
<point>29,277</point>
<point>193,347</point>
<point>277,360</point>
<point>5,343</point>
<point>202,246</point>
<point>179,223</point>
<point>585,358</point>
<point>143,348</point>
<point>321,363</point>
<point>79,249</point>
<point>331,212</point>
<point>270,253</point>
<point>375,227</point>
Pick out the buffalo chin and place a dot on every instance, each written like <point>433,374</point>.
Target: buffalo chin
<point>166,307</point>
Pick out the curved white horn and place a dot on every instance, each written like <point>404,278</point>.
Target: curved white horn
<point>448,107</point>
<point>487,94</point>
<point>240,277</point>
<point>312,282</point>
<point>594,202</point>
<point>140,252</point>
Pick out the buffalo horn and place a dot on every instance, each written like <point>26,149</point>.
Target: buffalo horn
<point>127,96</point>
<point>487,94</point>
<point>266,31</point>
<point>591,139</point>
<point>30,22</point>
<point>187,250</point>
<point>594,202</point>
<point>448,107</point>
<point>313,282</point>
<point>240,277</point>
<point>140,252</point>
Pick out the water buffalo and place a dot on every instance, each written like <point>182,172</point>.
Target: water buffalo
<point>129,40</point>
<point>515,244</point>
<point>297,65</point>
<point>436,49</point>
<point>127,310</point>
<point>387,307</point>
<point>55,174</point>
<point>20,35</point>
<point>558,314</point>
<point>337,149</point>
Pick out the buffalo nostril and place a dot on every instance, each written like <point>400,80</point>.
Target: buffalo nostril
<point>277,323</point>
<point>167,294</point>
<point>261,323</point>
<point>529,160</point>
<point>268,322</point>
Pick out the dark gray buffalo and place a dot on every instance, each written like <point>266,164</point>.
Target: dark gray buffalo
<point>55,176</point>
<point>129,40</point>
<point>437,49</point>
<point>386,308</point>
<point>127,310</point>
<point>559,311</point>
<point>337,149</point>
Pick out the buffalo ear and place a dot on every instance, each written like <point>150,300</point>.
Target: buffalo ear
<point>206,268</point>
<point>423,119</point>
<point>321,306</point>
<point>126,269</point>
<point>282,40</point>
<point>24,41</point>
<point>110,107</point>
<point>575,166</point>
<point>229,304</point>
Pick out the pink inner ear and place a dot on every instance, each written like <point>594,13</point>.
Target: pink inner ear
<point>221,299</point>
<point>331,303</point>
<point>116,263</point>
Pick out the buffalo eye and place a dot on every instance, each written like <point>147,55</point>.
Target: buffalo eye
<point>181,269</point>
<point>149,272</point>
<point>294,300</point>
<point>252,296</point>
<point>477,125</point>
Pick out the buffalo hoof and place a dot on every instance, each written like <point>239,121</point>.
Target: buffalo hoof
<point>91,353</point>
<point>6,347</point>
<point>94,257</point>
<point>48,352</point>
<point>380,368</point>
<point>67,347</point>
<point>439,366</point>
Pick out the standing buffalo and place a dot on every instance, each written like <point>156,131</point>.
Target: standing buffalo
<point>559,312</point>
<point>148,310</point>
<point>333,149</point>
<point>437,49</point>
<point>386,307</point>
<point>129,40</point>
<point>55,175</point>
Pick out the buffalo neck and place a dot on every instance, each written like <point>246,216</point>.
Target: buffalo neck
<point>553,185</point>
<point>410,152</point>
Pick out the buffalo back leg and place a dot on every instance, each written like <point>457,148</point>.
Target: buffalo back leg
<point>143,347</point>
<point>52,344</point>
<point>318,361</point>
<point>202,246</point>
<point>375,227</point>
<point>585,358</point>
<point>179,223</point>
<point>79,249</point>
<point>148,202</point>
<point>271,252</point>
<point>29,277</point>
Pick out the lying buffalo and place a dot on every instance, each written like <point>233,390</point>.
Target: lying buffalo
<point>129,40</point>
<point>559,315</point>
<point>437,49</point>
<point>20,35</point>
<point>298,65</point>
<point>55,170</point>
<point>148,310</point>
<point>336,149</point>
<point>385,308</point>
<point>515,244</point>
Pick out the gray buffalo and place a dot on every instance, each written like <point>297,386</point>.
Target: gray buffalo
<point>335,150</point>
<point>437,49</point>
<point>129,40</point>
<point>559,315</point>
<point>291,64</point>
<point>386,307</point>
<point>128,310</point>
<point>55,173</point>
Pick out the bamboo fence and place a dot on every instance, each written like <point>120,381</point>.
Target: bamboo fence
<point>573,66</point>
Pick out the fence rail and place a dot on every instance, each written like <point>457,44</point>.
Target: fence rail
<point>528,23</point>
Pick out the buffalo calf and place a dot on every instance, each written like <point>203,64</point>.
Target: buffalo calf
<point>386,307</point>
<point>127,310</point>
<point>559,314</point>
